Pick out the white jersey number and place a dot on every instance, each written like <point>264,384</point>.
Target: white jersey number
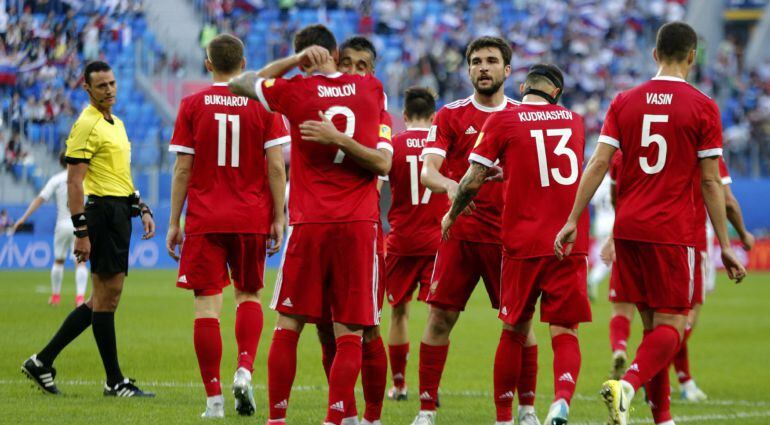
<point>414,179</point>
<point>648,139</point>
<point>235,122</point>
<point>561,149</point>
<point>350,126</point>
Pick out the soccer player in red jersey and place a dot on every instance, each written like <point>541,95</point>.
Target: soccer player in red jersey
<point>474,249</point>
<point>230,169</point>
<point>667,130</point>
<point>357,56</point>
<point>330,260</point>
<point>415,219</point>
<point>540,146</point>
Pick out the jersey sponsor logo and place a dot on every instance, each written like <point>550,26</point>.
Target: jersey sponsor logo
<point>385,132</point>
<point>659,98</point>
<point>287,303</point>
<point>222,100</point>
<point>344,91</point>
<point>545,115</point>
<point>471,130</point>
<point>182,279</point>
<point>415,143</point>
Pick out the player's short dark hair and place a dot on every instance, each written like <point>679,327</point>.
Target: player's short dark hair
<point>493,42</point>
<point>95,66</point>
<point>63,158</point>
<point>419,103</point>
<point>225,52</point>
<point>675,41</point>
<point>361,44</point>
<point>314,35</point>
<point>544,73</point>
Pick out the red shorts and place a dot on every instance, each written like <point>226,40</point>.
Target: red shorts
<point>330,267</point>
<point>459,265</point>
<point>560,285</point>
<point>205,260</point>
<point>382,282</point>
<point>656,276</point>
<point>404,273</point>
<point>616,293</point>
<point>699,289</point>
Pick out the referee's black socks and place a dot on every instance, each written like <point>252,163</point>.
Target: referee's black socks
<point>104,333</point>
<point>77,321</point>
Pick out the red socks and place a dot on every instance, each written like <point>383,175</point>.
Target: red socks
<point>281,368</point>
<point>248,329</point>
<point>659,396</point>
<point>654,353</point>
<point>328,350</point>
<point>527,383</point>
<point>432,361</point>
<point>343,376</point>
<point>398,355</point>
<point>566,365</point>
<point>682,360</point>
<point>374,377</point>
<point>508,362</point>
<point>208,348</point>
<point>620,329</point>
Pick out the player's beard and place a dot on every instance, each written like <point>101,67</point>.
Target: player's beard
<point>488,91</point>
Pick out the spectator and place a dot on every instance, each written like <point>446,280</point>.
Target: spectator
<point>5,221</point>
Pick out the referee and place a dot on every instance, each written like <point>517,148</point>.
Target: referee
<point>99,165</point>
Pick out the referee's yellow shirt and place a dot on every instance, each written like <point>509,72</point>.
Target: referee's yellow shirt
<point>106,149</point>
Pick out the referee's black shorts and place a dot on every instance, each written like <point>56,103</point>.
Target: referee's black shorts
<point>109,229</point>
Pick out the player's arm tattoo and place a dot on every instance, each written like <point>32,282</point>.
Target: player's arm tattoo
<point>468,188</point>
<point>243,85</point>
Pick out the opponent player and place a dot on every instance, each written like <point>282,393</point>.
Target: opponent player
<point>474,249</point>
<point>540,145</point>
<point>230,169</point>
<point>357,56</point>
<point>63,238</point>
<point>667,130</point>
<point>331,255</point>
<point>415,219</point>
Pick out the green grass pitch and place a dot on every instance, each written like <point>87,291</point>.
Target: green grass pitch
<point>729,360</point>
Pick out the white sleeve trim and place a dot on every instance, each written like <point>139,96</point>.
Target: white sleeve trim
<point>727,180</point>
<point>481,160</point>
<point>260,95</point>
<point>182,149</point>
<point>279,141</point>
<point>607,140</point>
<point>434,151</point>
<point>708,153</point>
<point>384,178</point>
<point>386,146</point>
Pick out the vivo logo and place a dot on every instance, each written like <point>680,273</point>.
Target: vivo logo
<point>144,254</point>
<point>34,254</point>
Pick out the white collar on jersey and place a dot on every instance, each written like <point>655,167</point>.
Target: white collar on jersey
<point>417,129</point>
<point>668,78</point>
<point>535,103</point>
<point>483,108</point>
<point>332,75</point>
<point>219,84</point>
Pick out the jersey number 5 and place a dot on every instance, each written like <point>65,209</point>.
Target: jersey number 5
<point>235,122</point>
<point>350,126</point>
<point>648,139</point>
<point>561,149</point>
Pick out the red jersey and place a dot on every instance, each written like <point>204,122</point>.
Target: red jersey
<point>701,214</point>
<point>452,136</point>
<point>386,124</point>
<point>415,213</point>
<point>662,126</point>
<point>228,134</point>
<point>540,147</point>
<point>325,186</point>
<point>615,166</point>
